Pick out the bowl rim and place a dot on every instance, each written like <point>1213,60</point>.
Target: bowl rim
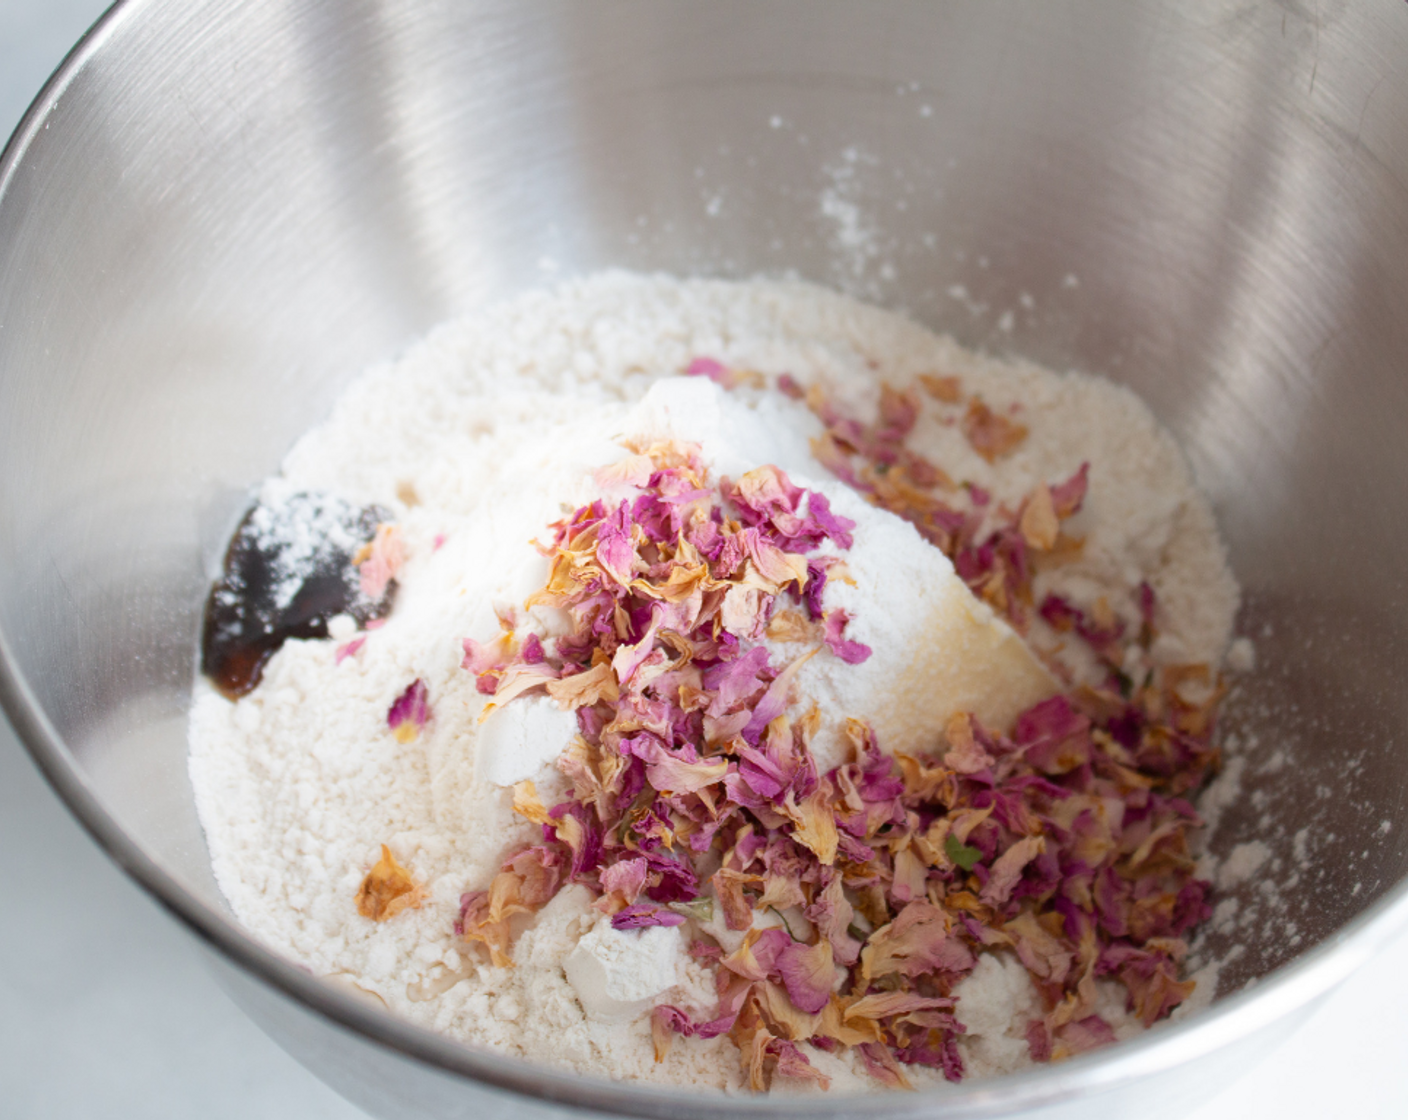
<point>1287,989</point>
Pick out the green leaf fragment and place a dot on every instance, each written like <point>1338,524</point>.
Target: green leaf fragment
<point>701,909</point>
<point>959,853</point>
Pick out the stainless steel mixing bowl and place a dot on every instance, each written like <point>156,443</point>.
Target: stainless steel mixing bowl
<point>216,214</point>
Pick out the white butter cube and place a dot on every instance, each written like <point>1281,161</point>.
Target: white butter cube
<point>519,738</point>
<point>617,974</point>
<point>936,648</point>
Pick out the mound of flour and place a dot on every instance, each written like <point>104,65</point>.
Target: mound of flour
<point>478,438</point>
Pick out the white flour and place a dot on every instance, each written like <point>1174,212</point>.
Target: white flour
<point>475,441</point>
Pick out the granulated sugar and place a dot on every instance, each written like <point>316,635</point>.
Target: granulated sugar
<point>478,439</point>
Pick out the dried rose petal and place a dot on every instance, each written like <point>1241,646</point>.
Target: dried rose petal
<point>580,689</point>
<point>409,712</point>
<point>1039,524</point>
<point>1038,1041</point>
<point>706,367</point>
<point>1083,1034</point>
<point>388,889</point>
<point>831,526</point>
<point>625,878</point>
<point>880,1063</point>
<point>527,805</point>
<point>642,916</point>
<point>349,649</point>
<point>1008,869</point>
<point>721,374</point>
<point>632,471</point>
<point>793,1064</point>
<point>992,436</point>
<point>949,390</point>
<point>965,755</point>
<point>809,973</point>
<point>672,773</point>
<point>834,626</point>
<point>757,957</point>
<point>884,1005</point>
<point>728,889</point>
<point>899,410</point>
<point>486,657</point>
<point>814,823</point>
<point>385,556</point>
<point>1068,497</point>
<point>921,939</point>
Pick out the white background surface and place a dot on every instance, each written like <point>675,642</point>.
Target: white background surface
<point>106,1009</point>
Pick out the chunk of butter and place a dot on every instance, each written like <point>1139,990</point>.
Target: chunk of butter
<point>936,648</point>
<point>618,973</point>
<point>518,739</point>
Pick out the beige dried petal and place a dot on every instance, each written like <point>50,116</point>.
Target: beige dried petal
<point>814,823</point>
<point>1007,870</point>
<point>526,803</point>
<point>910,874</point>
<point>728,889</point>
<point>582,689</point>
<point>388,889</point>
<point>742,611</point>
<point>514,682</point>
<point>662,1036</point>
<point>633,470</point>
<point>965,755</point>
<point>792,626</point>
<point>964,821</point>
<point>835,1025</point>
<point>1039,525</point>
<point>1103,615</point>
<point>949,390</point>
<point>992,436</point>
<point>784,1015</point>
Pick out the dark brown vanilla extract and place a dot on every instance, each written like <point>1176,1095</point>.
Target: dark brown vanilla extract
<point>291,566</point>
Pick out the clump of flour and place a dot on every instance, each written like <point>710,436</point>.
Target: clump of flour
<point>475,441</point>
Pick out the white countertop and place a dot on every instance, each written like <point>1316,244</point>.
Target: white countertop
<point>106,1008</point>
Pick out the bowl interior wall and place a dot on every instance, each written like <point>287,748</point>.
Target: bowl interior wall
<point>233,209</point>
